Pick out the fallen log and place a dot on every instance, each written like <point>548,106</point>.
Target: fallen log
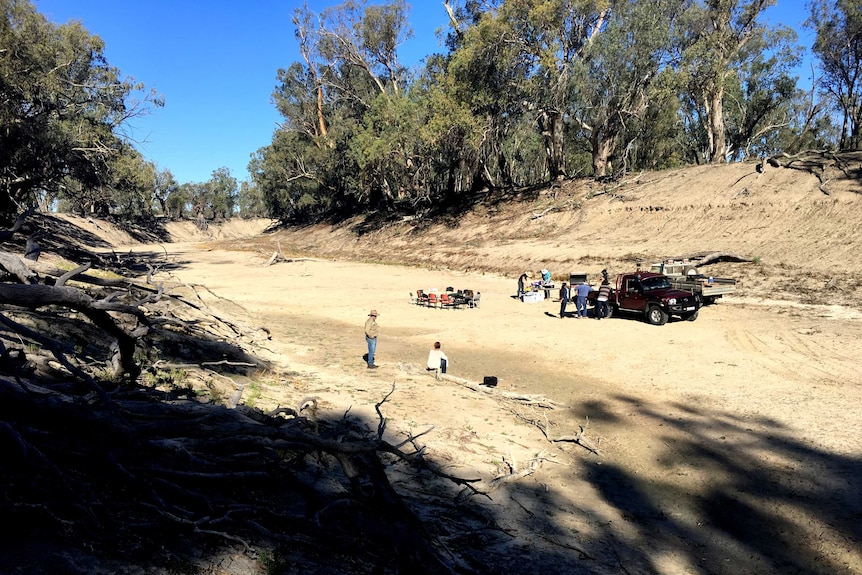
<point>533,400</point>
<point>707,257</point>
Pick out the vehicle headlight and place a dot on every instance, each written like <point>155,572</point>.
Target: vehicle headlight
<point>672,301</point>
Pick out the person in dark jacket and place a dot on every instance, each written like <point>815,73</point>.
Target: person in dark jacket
<point>522,284</point>
<point>564,299</point>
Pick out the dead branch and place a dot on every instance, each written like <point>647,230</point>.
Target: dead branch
<point>534,400</point>
<point>544,212</point>
<point>619,184</point>
<point>554,541</point>
<point>48,270</point>
<point>580,438</point>
<point>37,296</point>
<point>515,474</point>
<point>815,162</point>
<point>15,266</point>
<point>61,281</point>
<point>19,221</point>
<point>60,352</point>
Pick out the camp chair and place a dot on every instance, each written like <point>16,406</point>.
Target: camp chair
<point>432,300</point>
<point>447,302</point>
<point>421,297</point>
<point>474,302</point>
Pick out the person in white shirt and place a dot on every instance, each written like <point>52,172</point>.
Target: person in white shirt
<point>437,360</point>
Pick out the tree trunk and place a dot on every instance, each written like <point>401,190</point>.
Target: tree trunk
<point>715,126</point>
<point>551,126</point>
<point>603,147</point>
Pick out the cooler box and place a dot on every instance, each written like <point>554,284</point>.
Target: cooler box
<point>534,297</point>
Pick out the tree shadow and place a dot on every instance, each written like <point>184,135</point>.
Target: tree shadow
<point>762,501</point>
<point>168,481</point>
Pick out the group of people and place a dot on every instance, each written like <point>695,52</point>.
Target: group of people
<point>543,283</point>
<point>437,360</point>
<point>581,291</point>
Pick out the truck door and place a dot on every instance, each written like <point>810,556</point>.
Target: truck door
<point>631,295</point>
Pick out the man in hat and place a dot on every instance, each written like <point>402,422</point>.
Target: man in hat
<point>371,337</point>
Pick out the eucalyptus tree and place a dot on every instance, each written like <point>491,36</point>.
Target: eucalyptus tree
<point>487,71</point>
<point>656,139</point>
<point>553,36</point>
<point>164,185</point>
<point>178,203</point>
<point>289,175</point>
<point>349,68</point>
<point>62,107</point>
<point>450,134</point>
<point>130,184</point>
<point>720,39</point>
<point>838,46</point>
<point>220,194</point>
<point>759,98</point>
<point>614,79</point>
<point>388,149</point>
<point>251,203</point>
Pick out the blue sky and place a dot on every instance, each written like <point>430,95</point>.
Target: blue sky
<point>215,63</point>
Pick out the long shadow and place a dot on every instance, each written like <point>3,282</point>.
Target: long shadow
<point>765,502</point>
<point>796,512</point>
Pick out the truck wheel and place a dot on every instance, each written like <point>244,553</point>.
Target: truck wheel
<point>656,316</point>
<point>691,316</point>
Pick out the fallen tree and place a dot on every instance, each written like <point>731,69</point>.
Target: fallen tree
<point>822,164</point>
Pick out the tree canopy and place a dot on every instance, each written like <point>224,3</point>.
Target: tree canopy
<point>62,109</point>
<point>532,91</point>
<point>527,92</point>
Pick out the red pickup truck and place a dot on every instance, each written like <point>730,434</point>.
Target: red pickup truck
<point>651,295</point>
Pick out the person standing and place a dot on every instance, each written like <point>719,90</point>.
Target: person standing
<point>547,283</point>
<point>437,359</point>
<point>522,285</point>
<point>564,299</point>
<point>582,291</point>
<point>602,298</point>
<point>371,330</point>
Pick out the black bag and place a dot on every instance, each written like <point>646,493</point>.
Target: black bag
<point>490,381</point>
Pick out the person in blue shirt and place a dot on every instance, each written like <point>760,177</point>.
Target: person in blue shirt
<point>581,293</point>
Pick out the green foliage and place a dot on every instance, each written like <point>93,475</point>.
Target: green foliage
<point>62,108</point>
<point>251,201</point>
<point>838,46</point>
<point>173,378</point>
<point>178,201</point>
<point>221,194</point>
<point>131,185</point>
<point>528,91</point>
<point>164,185</point>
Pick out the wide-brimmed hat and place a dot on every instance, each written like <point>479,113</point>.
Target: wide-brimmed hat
<point>373,312</point>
